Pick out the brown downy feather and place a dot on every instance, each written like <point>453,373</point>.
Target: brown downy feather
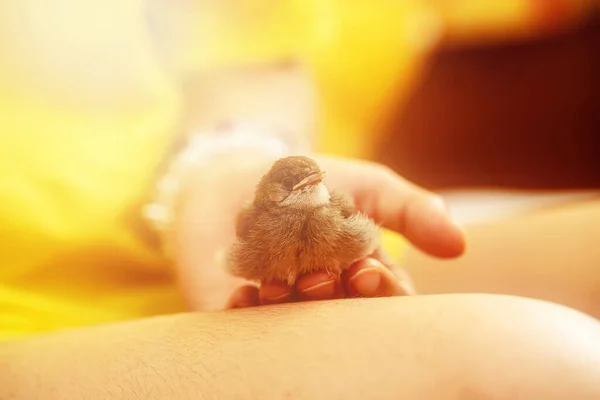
<point>279,239</point>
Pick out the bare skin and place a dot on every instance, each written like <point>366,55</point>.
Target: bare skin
<point>550,254</point>
<point>433,347</point>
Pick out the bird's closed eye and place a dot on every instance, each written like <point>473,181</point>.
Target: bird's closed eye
<point>288,183</point>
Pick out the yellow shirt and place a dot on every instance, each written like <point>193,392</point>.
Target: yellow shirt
<point>87,113</point>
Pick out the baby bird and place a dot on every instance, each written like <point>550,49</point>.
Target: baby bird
<point>295,226</point>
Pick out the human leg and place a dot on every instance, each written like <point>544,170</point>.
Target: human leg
<point>552,255</point>
<point>429,347</point>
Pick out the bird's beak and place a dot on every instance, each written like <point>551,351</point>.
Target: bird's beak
<point>312,179</point>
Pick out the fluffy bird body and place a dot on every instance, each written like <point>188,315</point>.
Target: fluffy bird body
<point>295,226</point>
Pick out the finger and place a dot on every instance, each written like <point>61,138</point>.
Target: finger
<point>319,286</point>
<point>370,278</point>
<point>245,296</point>
<point>398,205</point>
<point>340,290</point>
<point>275,293</point>
<point>403,279</point>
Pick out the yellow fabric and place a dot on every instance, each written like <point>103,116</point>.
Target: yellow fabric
<point>86,114</point>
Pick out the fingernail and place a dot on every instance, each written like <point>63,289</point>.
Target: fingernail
<point>366,281</point>
<point>320,290</point>
<point>275,293</point>
<point>439,204</point>
<point>279,297</point>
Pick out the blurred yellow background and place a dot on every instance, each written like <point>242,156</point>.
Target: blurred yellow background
<point>90,97</point>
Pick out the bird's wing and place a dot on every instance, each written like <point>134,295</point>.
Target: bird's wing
<point>243,221</point>
<point>344,203</point>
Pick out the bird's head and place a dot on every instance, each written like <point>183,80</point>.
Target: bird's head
<point>295,181</point>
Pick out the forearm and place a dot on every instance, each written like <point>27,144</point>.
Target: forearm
<point>440,347</point>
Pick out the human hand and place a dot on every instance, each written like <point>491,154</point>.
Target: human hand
<point>205,226</point>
